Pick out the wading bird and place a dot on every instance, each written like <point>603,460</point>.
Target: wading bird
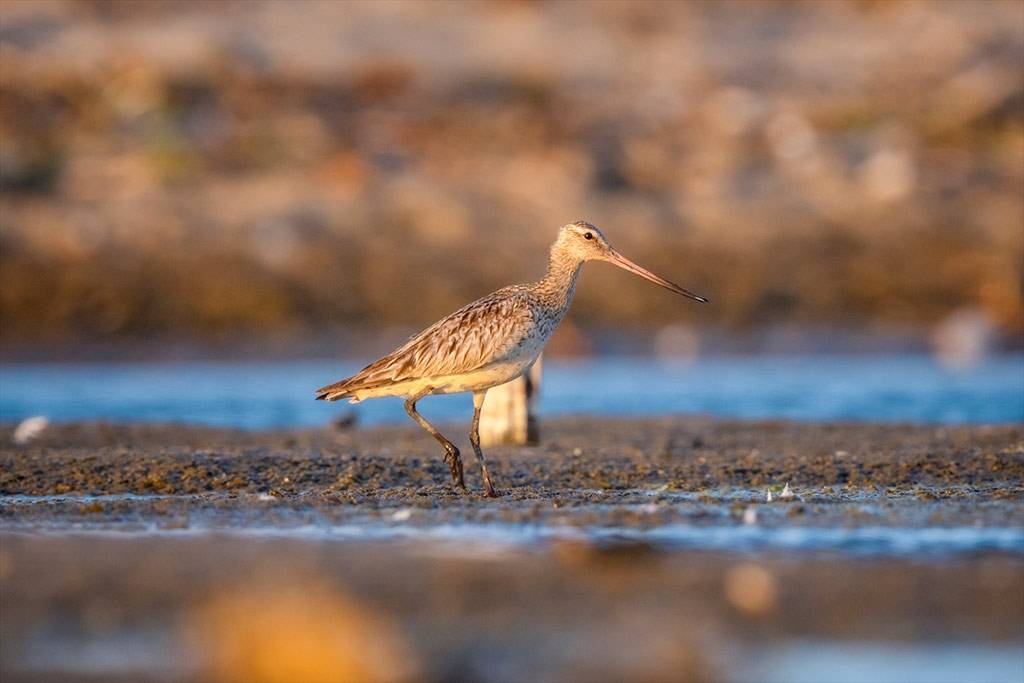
<point>489,342</point>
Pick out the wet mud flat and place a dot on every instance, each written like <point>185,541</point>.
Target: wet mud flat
<point>619,550</point>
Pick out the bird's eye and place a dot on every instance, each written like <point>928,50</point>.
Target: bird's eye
<point>588,236</point>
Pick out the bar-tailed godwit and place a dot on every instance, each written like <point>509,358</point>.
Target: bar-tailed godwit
<point>489,342</point>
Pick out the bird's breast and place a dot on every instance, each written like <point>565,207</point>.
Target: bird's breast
<point>545,321</point>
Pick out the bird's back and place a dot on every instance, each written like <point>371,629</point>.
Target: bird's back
<point>491,329</point>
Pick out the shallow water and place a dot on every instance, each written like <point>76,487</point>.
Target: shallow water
<point>279,394</point>
<point>472,538</point>
<point>884,527</point>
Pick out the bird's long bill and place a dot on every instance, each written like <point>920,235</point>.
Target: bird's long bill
<point>624,263</point>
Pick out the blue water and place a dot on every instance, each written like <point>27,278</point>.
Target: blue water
<point>825,661</point>
<point>280,394</point>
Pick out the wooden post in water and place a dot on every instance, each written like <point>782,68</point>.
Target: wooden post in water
<point>507,416</point>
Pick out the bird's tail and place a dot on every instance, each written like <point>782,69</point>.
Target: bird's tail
<point>334,392</point>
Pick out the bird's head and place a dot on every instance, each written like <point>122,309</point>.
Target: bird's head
<point>582,241</point>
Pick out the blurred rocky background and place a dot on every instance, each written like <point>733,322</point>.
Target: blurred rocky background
<point>209,171</point>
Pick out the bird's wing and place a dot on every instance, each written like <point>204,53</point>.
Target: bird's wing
<point>470,338</point>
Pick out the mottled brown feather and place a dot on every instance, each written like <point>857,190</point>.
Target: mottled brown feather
<point>480,333</point>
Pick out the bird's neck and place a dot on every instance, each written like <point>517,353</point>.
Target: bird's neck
<point>559,283</point>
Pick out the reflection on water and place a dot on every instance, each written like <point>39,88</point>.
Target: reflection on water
<point>279,394</point>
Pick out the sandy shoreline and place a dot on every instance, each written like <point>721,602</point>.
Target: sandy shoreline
<point>576,453</point>
<point>598,562</point>
<point>622,472</point>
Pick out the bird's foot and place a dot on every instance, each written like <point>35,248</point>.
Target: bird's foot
<point>455,466</point>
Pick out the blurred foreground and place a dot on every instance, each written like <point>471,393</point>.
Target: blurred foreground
<point>275,610</point>
<point>629,550</point>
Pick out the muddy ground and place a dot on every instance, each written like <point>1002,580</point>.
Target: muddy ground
<point>619,550</point>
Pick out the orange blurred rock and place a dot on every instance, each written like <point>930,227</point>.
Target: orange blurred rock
<point>295,629</point>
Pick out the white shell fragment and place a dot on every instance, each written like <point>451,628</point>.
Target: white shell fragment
<point>402,515</point>
<point>29,429</point>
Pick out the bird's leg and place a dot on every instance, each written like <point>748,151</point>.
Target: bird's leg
<point>452,453</point>
<point>474,438</point>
